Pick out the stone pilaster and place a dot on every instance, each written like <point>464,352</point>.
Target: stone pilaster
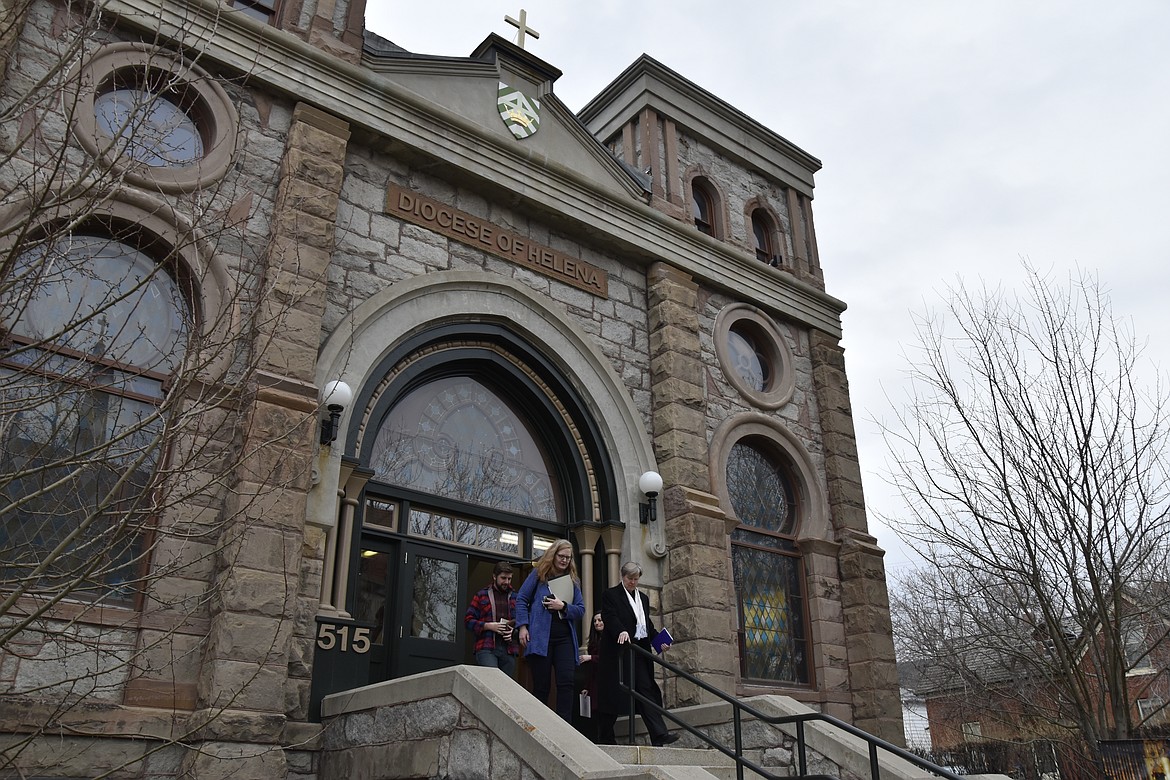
<point>873,674</point>
<point>268,584</point>
<point>13,12</point>
<point>696,595</point>
<point>678,401</point>
<point>698,598</point>
<point>865,602</point>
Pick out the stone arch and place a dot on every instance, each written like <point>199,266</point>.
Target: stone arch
<point>199,270</point>
<point>815,520</point>
<point>363,338</point>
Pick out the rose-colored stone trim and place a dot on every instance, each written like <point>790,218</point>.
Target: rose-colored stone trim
<point>771,342</point>
<point>204,101</point>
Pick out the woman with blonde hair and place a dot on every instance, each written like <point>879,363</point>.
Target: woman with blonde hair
<point>546,626</point>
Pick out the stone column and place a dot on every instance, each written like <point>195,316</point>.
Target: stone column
<point>268,586</point>
<point>869,643</point>
<point>611,537</point>
<point>13,12</point>
<point>355,481</point>
<point>800,261</point>
<point>696,587</point>
<point>330,573</point>
<point>587,538</point>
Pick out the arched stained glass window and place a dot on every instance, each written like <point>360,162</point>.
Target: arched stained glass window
<point>766,565</point>
<point>101,297</point>
<point>458,438</point>
<point>760,491</point>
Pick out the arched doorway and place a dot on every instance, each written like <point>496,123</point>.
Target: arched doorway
<point>479,450</point>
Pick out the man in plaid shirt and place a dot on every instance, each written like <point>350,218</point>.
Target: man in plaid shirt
<point>492,616</point>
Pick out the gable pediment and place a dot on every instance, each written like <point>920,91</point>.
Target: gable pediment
<point>470,87</point>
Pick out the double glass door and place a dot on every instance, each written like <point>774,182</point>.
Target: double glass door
<point>414,594</point>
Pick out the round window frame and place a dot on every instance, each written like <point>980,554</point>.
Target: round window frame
<point>771,344</point>
<point>203,101</point>
<point>811,506</point>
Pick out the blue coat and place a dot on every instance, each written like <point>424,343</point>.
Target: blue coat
<point>530,612</point>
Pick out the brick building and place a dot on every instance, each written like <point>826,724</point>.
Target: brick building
<point>517,312</point>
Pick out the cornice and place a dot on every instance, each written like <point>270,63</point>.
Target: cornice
<point>427,65</point>
<point>649,83</point>
<point>279,61</point>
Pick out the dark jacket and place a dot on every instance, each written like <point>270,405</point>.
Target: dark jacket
<point>618,616</point>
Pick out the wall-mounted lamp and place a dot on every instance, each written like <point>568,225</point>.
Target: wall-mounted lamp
<point>649,483</point>
<point>334,397</point>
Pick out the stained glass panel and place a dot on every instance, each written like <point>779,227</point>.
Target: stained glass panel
<point>771,615</point>
<point>153,129</point>
<point>457,438</point>
<point>760,492</point>
<point>101,297</point>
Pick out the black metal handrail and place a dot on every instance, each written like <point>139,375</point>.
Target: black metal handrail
<point>626,660</point>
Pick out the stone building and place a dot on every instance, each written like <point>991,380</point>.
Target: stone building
<point>407,315</point>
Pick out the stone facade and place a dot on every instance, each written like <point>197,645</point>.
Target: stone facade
<point>299,272</point>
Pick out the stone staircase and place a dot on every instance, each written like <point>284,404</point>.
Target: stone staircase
<point>469,722</point>
<point>687,762</point>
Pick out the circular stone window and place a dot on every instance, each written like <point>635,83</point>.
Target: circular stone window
<point>165,124</point>
<point>754,356</point>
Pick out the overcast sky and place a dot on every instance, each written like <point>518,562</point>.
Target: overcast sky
<point>956,138</point>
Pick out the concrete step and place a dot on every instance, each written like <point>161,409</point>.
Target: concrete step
<point>714,763</point>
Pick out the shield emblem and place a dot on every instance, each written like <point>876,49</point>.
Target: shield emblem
<point>520,113</point>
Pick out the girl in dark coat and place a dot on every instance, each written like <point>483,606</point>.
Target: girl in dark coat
<point>587,678</point>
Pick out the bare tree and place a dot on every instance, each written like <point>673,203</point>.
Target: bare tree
<point>1032,457</point>
<point>128,367</point>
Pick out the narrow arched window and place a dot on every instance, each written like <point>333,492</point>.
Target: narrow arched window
<point>762,232</point>
<point>703,207</point>
<point>93,329</point>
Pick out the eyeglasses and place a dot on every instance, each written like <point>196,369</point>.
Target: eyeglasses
<point>565,557</point>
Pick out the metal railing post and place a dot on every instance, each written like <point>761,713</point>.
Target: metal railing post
<point>738,708</point>
<point>802,759</point>
<point>633,691</point>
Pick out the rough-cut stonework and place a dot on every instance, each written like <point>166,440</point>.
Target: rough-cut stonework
<point>472,723</point>
<point>299,275</point>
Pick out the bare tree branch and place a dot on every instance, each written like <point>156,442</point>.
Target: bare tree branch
<point>1032,457</point>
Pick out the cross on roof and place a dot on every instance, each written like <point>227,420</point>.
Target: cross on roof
<point>522,27</point>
